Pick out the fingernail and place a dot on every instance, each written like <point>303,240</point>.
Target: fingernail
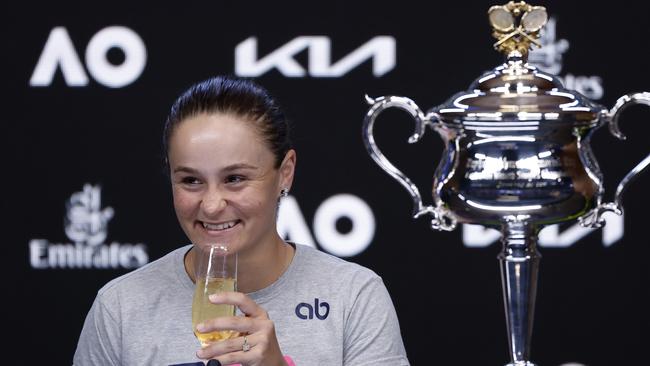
<point>200,327</point>
<point>214,297</point>
<point>214,363</point>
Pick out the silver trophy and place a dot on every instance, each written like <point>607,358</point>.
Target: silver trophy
<point>516,158</point>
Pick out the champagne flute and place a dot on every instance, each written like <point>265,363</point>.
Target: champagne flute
<point>215,271</point>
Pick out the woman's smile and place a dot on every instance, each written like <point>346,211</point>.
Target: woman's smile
<point>218,231</point>
<point>219,227</point>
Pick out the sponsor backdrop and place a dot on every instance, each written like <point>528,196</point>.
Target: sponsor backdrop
<point>86,89</point>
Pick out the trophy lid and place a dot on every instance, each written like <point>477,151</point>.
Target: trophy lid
<point>516,91</point>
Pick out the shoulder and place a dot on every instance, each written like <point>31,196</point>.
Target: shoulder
<point>327,262</point>
<point>329,268</point>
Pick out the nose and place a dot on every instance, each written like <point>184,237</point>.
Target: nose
<point>213,202</point>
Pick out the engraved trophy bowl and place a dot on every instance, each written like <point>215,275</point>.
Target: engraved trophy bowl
<point>517,157</point>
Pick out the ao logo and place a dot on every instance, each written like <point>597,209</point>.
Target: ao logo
<point>477,237</point>
<point>59,52</point>
<point>381,49</point>
<point>292,224</point>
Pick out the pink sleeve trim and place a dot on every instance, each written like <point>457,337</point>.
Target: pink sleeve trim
<point>286,358</point>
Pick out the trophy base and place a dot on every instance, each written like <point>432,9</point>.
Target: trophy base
<point>522,363</point>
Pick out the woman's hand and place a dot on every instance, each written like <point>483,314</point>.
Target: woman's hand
<point>256,328</point>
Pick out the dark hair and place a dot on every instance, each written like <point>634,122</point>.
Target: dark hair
<point>238,97</point>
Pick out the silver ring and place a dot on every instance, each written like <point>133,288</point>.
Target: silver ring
<point>246,346</point>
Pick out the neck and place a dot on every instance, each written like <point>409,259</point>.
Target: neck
<point>258,267</point>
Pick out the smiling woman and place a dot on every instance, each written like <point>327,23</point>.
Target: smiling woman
<point>230,161</point>
<point>226,190</point>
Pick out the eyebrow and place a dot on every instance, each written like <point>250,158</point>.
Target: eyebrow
<point>184,169</point>
<point>229,168</point>
<point>240,166</point>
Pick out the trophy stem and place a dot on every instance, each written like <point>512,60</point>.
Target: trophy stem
<point>519,263</point>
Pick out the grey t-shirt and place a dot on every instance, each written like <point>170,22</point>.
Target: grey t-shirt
<point>326,311</point>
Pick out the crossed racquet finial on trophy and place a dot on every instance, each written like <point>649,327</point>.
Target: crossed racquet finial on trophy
<point>516,26</point>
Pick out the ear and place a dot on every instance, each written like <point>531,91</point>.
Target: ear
<point>287,169</point>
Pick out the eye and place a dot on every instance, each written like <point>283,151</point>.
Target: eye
<point>233,179</point>
<point>189,180</point>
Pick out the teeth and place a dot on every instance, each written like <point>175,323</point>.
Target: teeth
<point>225,225</point>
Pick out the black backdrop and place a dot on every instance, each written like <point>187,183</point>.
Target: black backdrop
<point>59,136</point>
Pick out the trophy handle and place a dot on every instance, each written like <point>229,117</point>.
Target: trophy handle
<point>442,220</point>
<point>594,217</point>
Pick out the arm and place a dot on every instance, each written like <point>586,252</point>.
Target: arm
<point>100,338</point>
<point>372,333</point>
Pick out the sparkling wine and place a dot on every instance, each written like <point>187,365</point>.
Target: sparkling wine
<point>203,309</point>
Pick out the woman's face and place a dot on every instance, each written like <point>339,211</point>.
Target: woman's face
<point>224,183</point>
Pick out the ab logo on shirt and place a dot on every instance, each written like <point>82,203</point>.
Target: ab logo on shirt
<point>300,310</point>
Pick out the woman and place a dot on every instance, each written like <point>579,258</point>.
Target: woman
<point>230,161</point>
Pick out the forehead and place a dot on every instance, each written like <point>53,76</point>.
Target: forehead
<point>213,123</point>
<point>217,138</point>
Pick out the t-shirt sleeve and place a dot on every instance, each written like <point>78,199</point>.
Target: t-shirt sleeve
<point>99,342</point>
<point>372,334</point>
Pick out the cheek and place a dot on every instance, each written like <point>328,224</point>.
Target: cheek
<point>183,202</point>
<point>257,204</point>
